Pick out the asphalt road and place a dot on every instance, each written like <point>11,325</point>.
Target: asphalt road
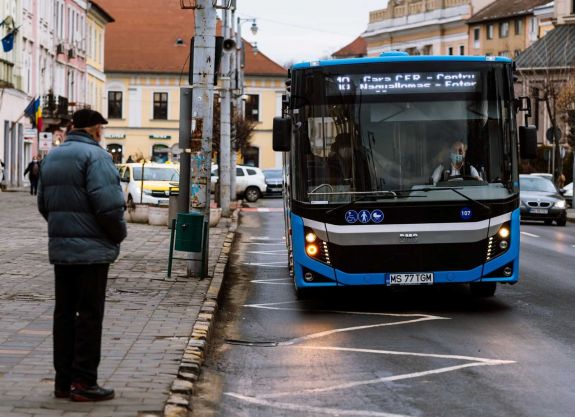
<point>416,352</point>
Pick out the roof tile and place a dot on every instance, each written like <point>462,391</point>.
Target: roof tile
<point>143,39</point>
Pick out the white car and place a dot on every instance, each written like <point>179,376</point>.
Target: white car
<point>250,181</point>
<point>159,180</point>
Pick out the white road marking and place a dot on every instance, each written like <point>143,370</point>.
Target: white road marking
<point>280,281</point>
<point>351,329</point>
<point>262,400</point>
<point>354,384</point>
<point>268,252</point>
<point>310,410</point>
<point>280,264</point>
<point>529,234</point>
<point>266,244</point>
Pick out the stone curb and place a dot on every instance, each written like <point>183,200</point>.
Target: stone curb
<point>179,400</point>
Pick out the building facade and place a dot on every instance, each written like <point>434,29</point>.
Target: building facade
<point>143,83</point>
<point>421,27</point>
<point>97,19</point>
<point>505,27</point>
<point>13,99</point>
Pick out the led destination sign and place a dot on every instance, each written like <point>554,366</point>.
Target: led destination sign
<point>406,83</point>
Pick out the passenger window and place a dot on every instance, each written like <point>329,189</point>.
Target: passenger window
<point>239,172</point>
<point>126,176</point>
<point>251,171</point>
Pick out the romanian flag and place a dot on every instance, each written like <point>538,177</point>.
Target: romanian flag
<point>38,114</point>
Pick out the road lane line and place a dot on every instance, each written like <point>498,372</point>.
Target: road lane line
<point>354,384</point>
<point>395,352</point>
<point>280,281</point>
<point>529,234</point>
<point>311,410</point>
<point>352,329</point>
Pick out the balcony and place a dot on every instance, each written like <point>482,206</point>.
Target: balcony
<point>6,74</point>
<point>55,109</point>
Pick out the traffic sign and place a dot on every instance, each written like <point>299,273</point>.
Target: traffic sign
<point>45,141</point>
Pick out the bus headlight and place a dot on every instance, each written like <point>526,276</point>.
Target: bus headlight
<point>498,243</point>
<point>310,237</point>
<point>315,247</point>
<point>311,249</point>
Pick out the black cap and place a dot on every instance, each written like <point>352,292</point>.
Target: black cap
<point>87,118</point>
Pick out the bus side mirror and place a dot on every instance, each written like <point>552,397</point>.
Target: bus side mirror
<point>282,134</point>
<point>528,142</point>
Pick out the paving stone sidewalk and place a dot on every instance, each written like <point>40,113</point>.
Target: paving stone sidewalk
<point>148,324</point>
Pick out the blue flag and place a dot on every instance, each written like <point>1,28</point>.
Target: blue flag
<point>8,42</point>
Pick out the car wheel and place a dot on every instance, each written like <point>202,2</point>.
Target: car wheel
<point>561,222</point>
<point>252,194</point>
<point>483,289</point>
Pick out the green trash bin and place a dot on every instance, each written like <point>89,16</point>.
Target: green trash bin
<point>189,232</point>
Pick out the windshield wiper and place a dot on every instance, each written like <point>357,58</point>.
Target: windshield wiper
<point>455,190</point>
<point>364,195</point>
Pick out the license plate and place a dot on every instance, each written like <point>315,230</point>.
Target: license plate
<point>411,279</point>
<point>539,211</point>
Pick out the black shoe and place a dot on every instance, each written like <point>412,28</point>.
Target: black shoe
<point>84,393</point>
<point>62,393</point>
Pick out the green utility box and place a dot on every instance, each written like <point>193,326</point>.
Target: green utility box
<point>189,232</point>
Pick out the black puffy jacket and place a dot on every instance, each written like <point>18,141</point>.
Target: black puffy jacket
<point>79,194</point>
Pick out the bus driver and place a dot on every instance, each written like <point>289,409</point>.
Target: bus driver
<point>458,166</point>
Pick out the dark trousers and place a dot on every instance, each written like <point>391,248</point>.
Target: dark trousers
<point>78,316</point>
<point>33,185</point>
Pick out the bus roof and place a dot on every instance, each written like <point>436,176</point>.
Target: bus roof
<point>400,57</point>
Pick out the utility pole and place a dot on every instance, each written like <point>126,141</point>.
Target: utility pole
<point>202,118</point>
<point>225,114</point>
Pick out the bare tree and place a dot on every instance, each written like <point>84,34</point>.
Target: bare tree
<point>548,77</point>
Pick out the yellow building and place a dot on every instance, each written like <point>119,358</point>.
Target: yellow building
<point>97,19</point>
<point>421,27</point>
<point>505,28</point>
<point>147,53</point>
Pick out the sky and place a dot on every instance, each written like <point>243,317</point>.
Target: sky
<point>303,30</point>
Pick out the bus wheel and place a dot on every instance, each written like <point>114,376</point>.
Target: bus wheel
<point>483,289</point>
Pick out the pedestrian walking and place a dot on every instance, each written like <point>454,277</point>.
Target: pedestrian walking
<point>79,195</point>
<point>33,171</point>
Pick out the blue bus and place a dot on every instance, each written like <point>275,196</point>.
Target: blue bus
<point>403,170</point>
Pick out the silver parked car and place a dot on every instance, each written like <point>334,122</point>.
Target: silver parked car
<point>274,182</point>
<point>541,200</point>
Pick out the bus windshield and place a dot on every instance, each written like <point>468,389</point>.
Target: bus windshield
<point>374,130</point>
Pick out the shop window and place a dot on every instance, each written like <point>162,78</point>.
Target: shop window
<point>160,153</point>
<point>116,152</point>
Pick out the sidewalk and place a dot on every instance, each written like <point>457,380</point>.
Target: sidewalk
<point>154,328</point>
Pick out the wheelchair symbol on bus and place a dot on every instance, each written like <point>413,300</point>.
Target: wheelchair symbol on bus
<point>351,216</point>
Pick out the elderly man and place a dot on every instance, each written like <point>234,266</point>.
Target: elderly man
<point>79,195</point>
